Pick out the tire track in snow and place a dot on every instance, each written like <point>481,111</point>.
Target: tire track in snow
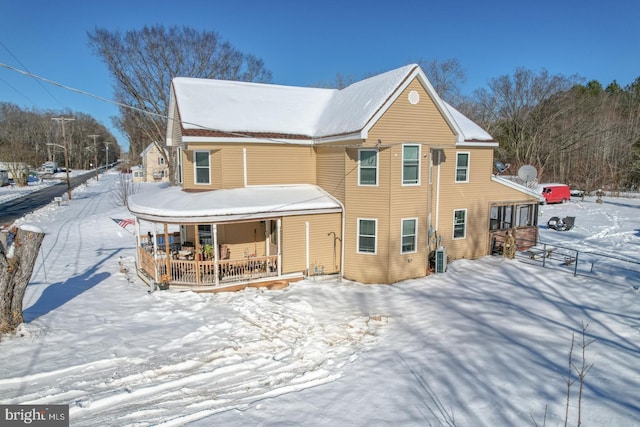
<point>268,349</point>
<point>59,246</point>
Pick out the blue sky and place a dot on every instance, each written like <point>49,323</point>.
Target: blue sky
<point>304,42</point>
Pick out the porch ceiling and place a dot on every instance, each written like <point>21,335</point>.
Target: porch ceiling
<point>162,203</point>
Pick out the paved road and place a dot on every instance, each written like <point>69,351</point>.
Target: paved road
<point>17,208</point>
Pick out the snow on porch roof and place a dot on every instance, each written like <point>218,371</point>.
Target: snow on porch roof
<point>162,203</point>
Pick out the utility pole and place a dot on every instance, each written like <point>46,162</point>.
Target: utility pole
<point>106,146</point>
<point>62,120</point>
<point>95,153</point>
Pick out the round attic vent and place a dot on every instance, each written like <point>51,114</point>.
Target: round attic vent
<point>414,97</point>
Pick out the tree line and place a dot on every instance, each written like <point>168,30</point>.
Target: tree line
<point>585,135</point>
<point>29,138</point>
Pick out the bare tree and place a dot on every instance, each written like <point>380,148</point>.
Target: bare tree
<point>510,108</point>
<point>143,63</point>
<point>124,187</point>
<point>446,77</point>
<point>29,138</point>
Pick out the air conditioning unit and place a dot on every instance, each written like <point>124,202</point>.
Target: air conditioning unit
<point>441,260</point>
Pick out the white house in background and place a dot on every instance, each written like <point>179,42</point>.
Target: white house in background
<point>137,172</point>
<point>154,166</point>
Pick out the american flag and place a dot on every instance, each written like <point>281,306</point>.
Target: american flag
<point>123,222</point>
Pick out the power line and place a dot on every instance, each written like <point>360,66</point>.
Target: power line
<point>130,107</point>
<point>82,92</point>
<point>37,81</point>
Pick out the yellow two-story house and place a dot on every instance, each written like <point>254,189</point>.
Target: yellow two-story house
<point>369,182</point>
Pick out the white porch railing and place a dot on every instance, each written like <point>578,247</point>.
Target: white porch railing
<point>204,273</point>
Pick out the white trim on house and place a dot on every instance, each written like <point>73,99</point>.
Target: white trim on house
<point>466,224</point>
<point>402,178</point>
<point>467,168</point>
<point>375,150</point>
<point>415,236</point>
<point>375,236</point>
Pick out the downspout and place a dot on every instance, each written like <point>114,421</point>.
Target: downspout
<point>244,166</point>
<point>278,230</point>
<point>306,238</point>
<point>344,221</point>
<point>438,192</point>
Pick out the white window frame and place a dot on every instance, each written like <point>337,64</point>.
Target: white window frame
<point>377,168</point>
<point>415,236</point>
<point>466,168</point>
<point>195,167</point>
<point>418,179</point>
<point>464,224</point>
<point>375,237</point>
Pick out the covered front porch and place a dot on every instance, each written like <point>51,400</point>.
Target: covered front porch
<point>229,239</point>
<point>206,256</point>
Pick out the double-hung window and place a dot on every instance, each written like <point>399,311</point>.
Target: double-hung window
<point>367,229</point>
<point>459,223</point>
<point>409,235</point>
<point>202,167</point>
<point>368,167</point>
<point>410,164</point>
<point>462,167</point>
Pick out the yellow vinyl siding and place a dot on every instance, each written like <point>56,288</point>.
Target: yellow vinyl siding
<point>321,243</point>
<point>367,202</point>
<point>407,202</point>
<point>330,170</point>
<point>243,239</point>
<point>272,164</point>
<point>266,164</point>
<point>475,196</point>
<point>217,159</point>
<point>406,122</point>
<point>187,170</point>
<point>390,201</point>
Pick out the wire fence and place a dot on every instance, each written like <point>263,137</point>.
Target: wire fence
<point>602,266</point>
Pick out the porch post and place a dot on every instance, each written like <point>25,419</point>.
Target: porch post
<point>166,250</point>
<point>214,232</point>
<point>278,226</point>
<point>138,245</point>
<point>155,252</point>
<point>196,255</point>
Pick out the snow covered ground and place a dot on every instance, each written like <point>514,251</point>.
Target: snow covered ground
<point>485,344</point>
<point>10,192</point>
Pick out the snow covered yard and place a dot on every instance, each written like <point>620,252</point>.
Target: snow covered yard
<point>485,344</point>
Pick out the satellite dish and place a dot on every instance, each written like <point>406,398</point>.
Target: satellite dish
<point>500,167</point>
<point>527,173</point>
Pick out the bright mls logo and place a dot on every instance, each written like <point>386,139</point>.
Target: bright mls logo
<point>34,415</point>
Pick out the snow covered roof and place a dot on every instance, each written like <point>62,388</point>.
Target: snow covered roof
<point>517,186</point>
<point>244,108</point>
<point>160,202</point>
<point>470,130</point>
<point>149,148</point>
